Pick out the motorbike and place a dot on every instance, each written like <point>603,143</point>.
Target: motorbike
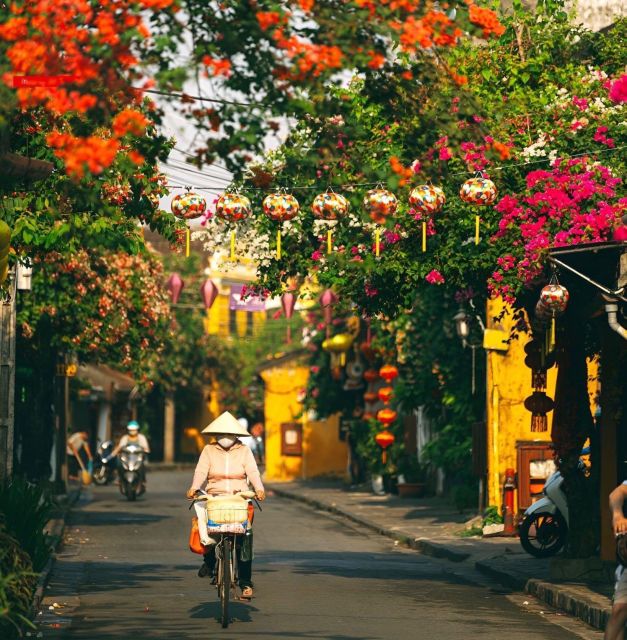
<point>104,464</point>
<point>131,471</point>
<point>544,529</point>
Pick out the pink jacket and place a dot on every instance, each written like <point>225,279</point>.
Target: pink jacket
<point>226,471</point>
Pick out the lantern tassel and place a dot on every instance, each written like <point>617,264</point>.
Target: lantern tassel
<point>232,245</point>
<point>329,241</point>
<point>377,243</point>
<point>187,242</point>
<point>288,334</point>
<point>539,422</point>
<point>424,236</point>
<point>552,339</point>
<point>278,245</point>
<point>342,359</point>
<point>477,223</point>
<point>384,456</point>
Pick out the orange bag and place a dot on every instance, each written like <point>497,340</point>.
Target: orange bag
<point>195,545</point>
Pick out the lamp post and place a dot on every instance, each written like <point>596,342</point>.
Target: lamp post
<point>464,324</point>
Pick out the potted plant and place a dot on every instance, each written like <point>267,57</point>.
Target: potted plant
<point>411,478</point>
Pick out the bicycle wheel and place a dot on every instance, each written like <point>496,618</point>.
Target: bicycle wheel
<point>225,590</point>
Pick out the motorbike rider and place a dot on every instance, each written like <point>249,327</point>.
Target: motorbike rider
<point>227,466</point>
<point>132,436</point>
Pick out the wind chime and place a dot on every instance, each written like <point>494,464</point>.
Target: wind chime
<point>233,207</point>
<point>427,200</point>
<point>387,415</point>
<point>188,206</point>
<point>280,207</point>
<point>478,191</point>
<point>380,204</point>
<point>328,208</point>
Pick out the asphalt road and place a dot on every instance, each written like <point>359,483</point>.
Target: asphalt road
<point>125,573</point>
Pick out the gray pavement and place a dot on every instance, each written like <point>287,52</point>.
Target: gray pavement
<point>125,572</point>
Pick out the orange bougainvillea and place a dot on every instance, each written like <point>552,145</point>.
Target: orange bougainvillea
<point>92,152</point>
<point>405,173</point>
<point>217,67</point>
<point>486,19</point>
<point>130,122</point>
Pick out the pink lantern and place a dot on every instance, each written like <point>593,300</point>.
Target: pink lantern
<point>288,303</point>
<point>209,292</point>
<point>327,300</point>
<point>175,285</point>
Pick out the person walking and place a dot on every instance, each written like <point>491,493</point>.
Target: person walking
<point>225,467</point>
<point>615,628</point>
<point>79,454</point>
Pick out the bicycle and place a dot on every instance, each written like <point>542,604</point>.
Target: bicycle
<point>227,517</point>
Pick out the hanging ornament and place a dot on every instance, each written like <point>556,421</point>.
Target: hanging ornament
<point>371,375</point>
<point>328,208</point>
<point>388,372</point>
<point>338,346</point>
<point>209,292</point>
<point>386,416</point>
<point>280,207</point>
<point>288,304</point>
<point>539,404</point>
<point>233,206</point>
<point>380,204</point>
<point>478,191</point>
<point>385,394</point>
<point>189,205</point>
<point>553,302</point>
<point>370,397</point>
<point>175,286</point>
<point>384,439</point>
<point>327,300</point>
<point>427,200</point>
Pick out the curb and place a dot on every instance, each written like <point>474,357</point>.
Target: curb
<point>423,545</point>
<point>55,529</point>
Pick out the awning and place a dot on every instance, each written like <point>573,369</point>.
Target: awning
<point>103,378</point>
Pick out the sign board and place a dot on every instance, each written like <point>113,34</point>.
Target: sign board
<point>35,80</point>
<point>250,303</point>
<point>291,439</point>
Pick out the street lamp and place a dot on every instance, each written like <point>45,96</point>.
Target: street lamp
<point>464,324</point>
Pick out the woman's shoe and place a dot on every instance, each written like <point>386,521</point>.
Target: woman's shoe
<point>247,592</point>
<point>204,571</point>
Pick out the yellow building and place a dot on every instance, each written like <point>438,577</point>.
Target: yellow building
<point>510,443</point>
<point>297,448</point>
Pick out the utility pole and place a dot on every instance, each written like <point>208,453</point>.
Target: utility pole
<point>7,381</point>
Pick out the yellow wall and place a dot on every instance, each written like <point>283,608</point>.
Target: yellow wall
<point>508,384</point>
<point>323,452</point>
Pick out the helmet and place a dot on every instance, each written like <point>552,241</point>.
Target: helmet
<point>133,426</point>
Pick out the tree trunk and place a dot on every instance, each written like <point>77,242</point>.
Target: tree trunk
<point>572,425</point>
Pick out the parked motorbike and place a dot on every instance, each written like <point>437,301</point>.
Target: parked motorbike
<point>132,471</point>
<point>104,464</point>
<point>544,530</point>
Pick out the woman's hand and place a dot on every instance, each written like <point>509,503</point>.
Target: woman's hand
<point>191,493</point>
<point>261,496</point>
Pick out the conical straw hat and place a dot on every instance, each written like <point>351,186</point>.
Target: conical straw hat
<point>226,424</point>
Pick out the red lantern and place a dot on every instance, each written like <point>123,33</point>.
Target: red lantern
<point>386,416</point>
<point>370,397</point>
<point>370,375</point>
<point>385,394</point>
<point>209,293</point>
<point>175,285</point>
<point>388,372</point>
<point>384,439</point>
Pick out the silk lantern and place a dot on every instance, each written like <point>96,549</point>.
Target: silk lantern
<point>380,204</point>
<point>327,300</point>
<point>187,206</point>
<point>388,372</point>
<point>280,207</point>
<point>288,304</point>
<point>209,292</point>
<point>427,200</point>
<point>328,207</point>
<point>553,302</point>
<point>233,207</point>
<point>478,191</point>
<point>385,394</point>
<point>175,286</point>
<point>384,439</point>
<point>539,404</point>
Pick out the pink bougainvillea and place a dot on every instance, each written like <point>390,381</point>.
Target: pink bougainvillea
<point>618,90</point>
<point>572,203</point>
<point>434,277</point>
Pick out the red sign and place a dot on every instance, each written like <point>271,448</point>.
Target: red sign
<point>42,80</point>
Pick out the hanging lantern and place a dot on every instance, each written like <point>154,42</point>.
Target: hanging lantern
<point>209,292</point>
<point>288,303</point>
<point>338,346</point>
<point>384,439</point>
<point>554,297</point>
<point>233,206</point>
<point>327,300</point>
<point>370,397</point>
<point>539,404</point>
<point>371,375</point>
<point>386,416</point>
<point>175,285</point>
<point>280,206</point>
<point>380,203</point>
<point>427,200</point>
<point>330,206</point>
<point>388,372</point>
<point>478,191</point>
<point>188,206</point>
<point>368,415</point>
<point>385,394</point>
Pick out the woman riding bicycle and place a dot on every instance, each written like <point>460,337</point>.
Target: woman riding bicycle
<point>225,467</point>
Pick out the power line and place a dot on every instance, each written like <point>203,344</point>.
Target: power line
<point>186,96</point>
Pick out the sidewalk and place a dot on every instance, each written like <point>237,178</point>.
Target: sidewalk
<point>432,526</point>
